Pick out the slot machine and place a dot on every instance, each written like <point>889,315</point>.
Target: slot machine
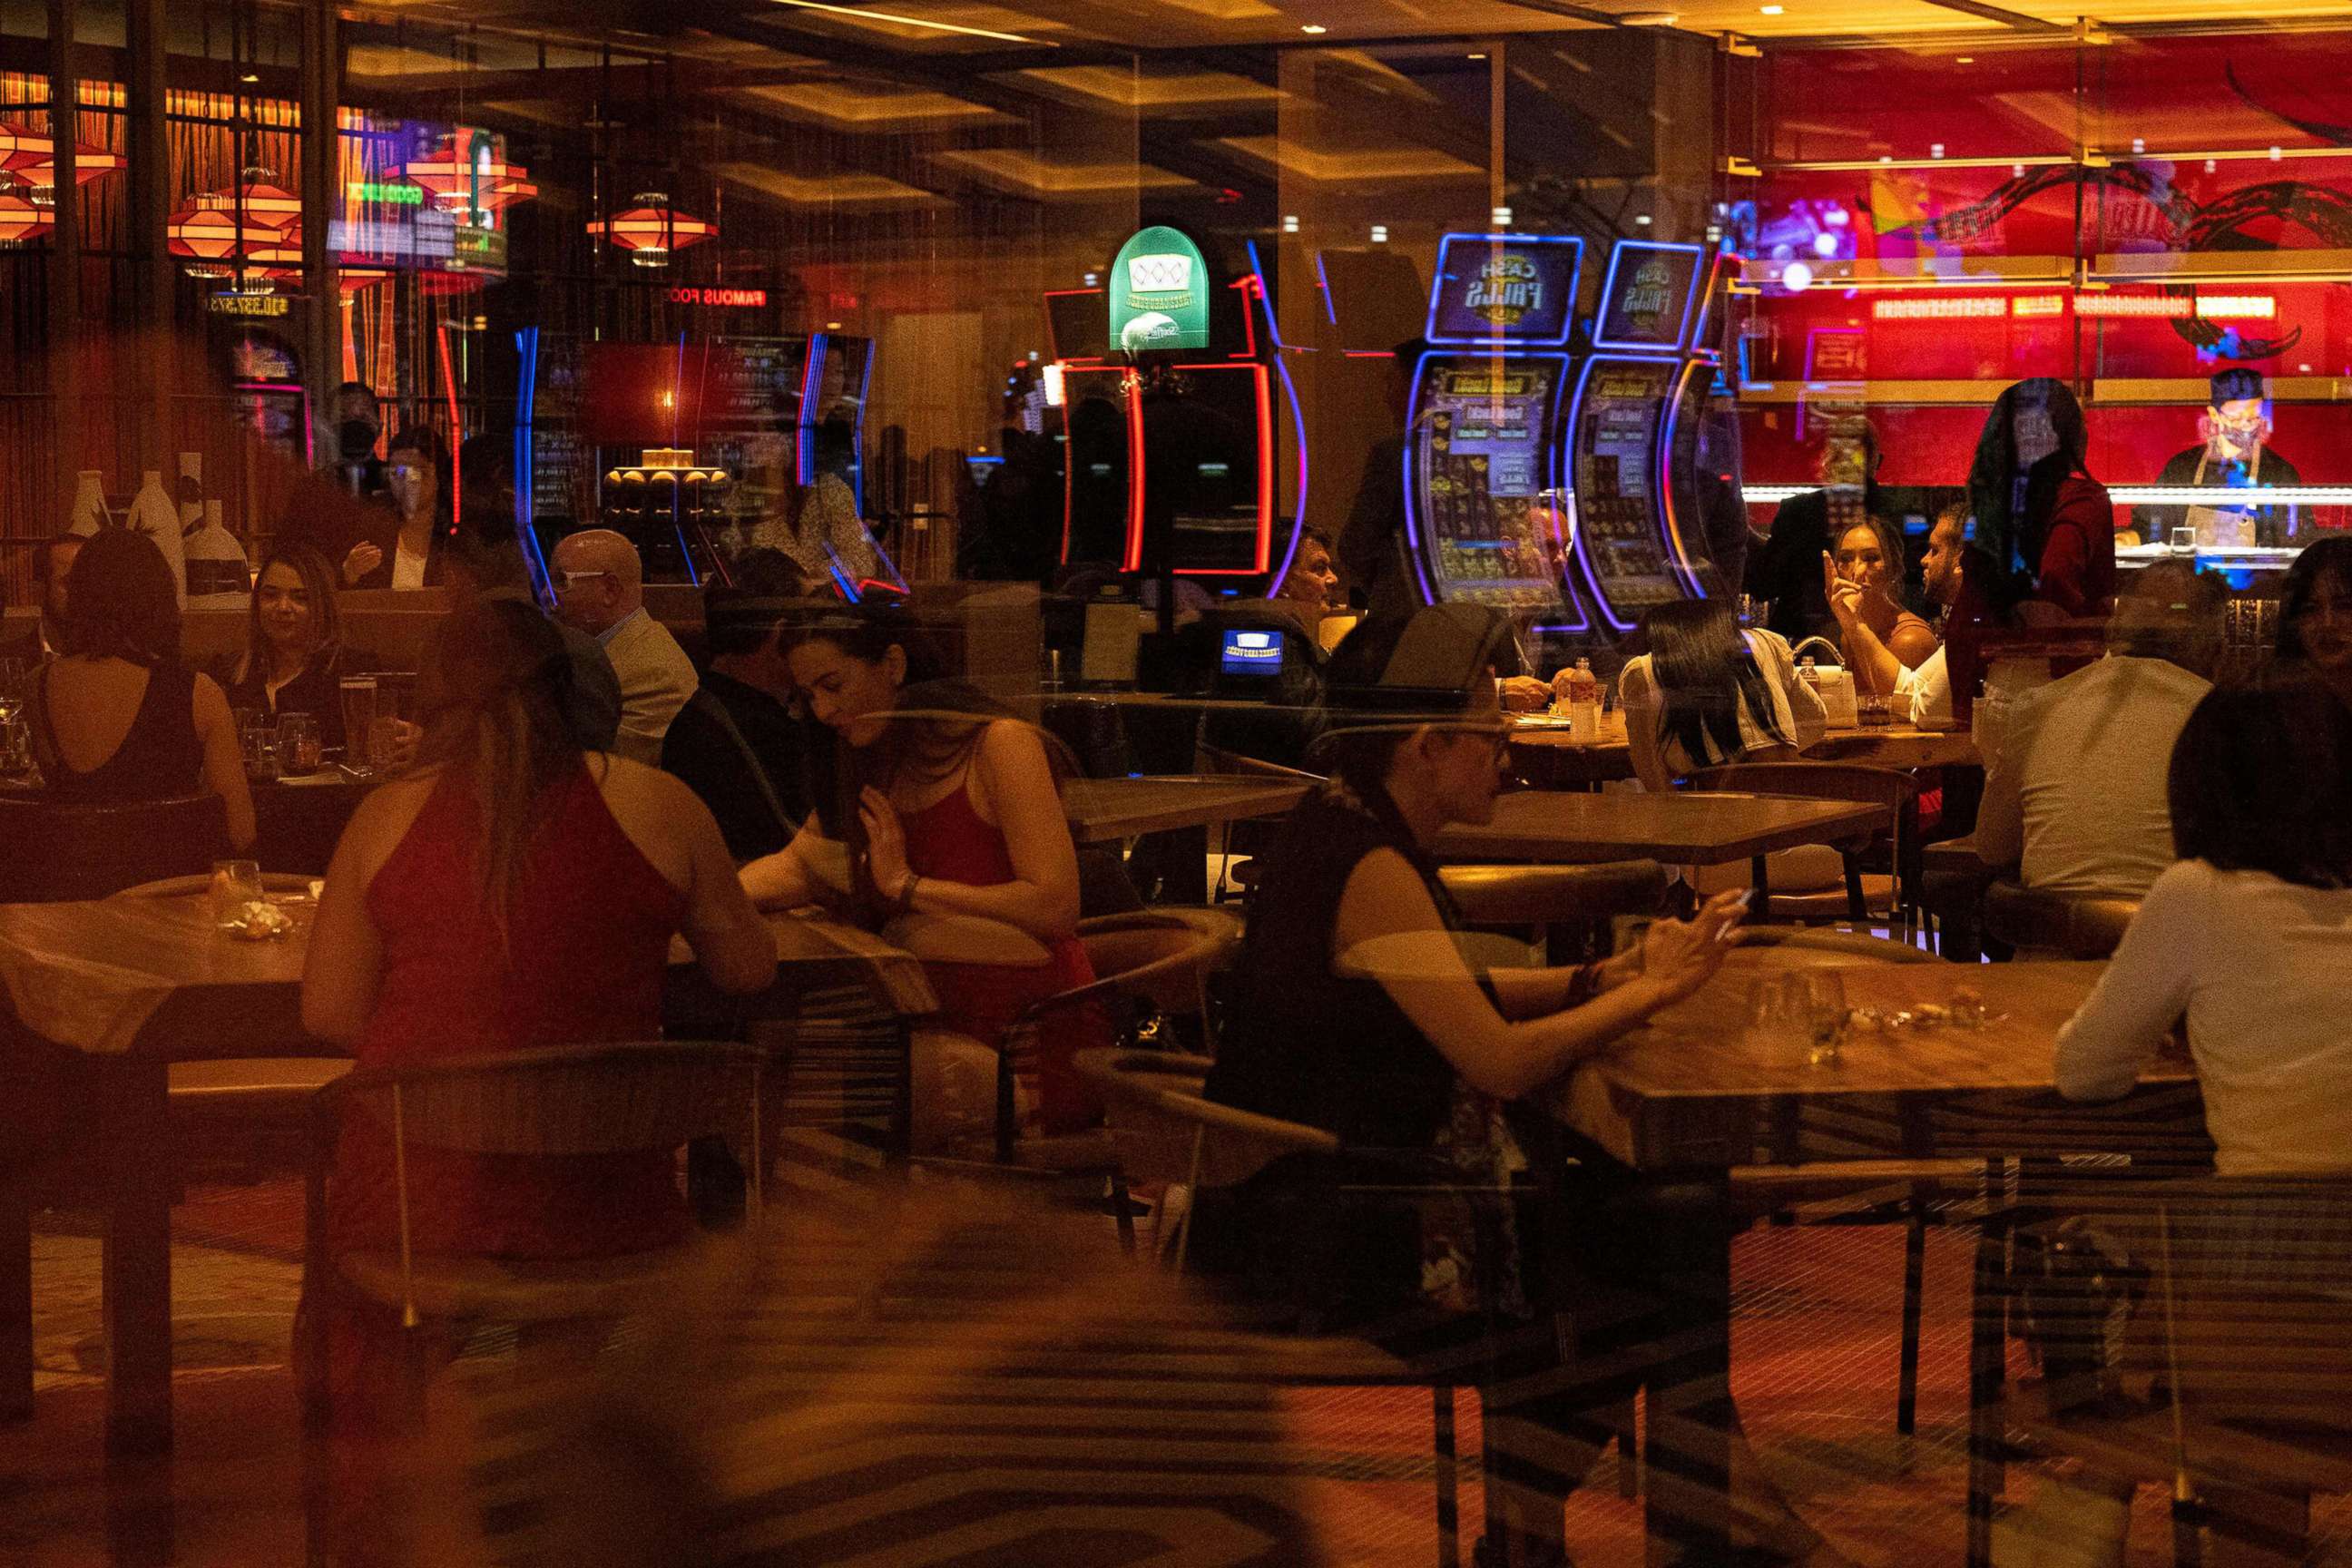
<point>1484,519</point>
<point>1634,433</point>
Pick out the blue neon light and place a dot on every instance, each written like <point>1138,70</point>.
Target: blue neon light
<point>1584,551</point>
<point>526,526</point>
<point>1323,285</point>
<point>1297,418</point>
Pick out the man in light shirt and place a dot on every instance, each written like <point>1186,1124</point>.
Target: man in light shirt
<point>2076,797</point>
<point>600,589</point>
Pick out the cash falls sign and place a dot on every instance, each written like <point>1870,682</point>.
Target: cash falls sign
<point>1647,302</point>
<point>1159,293</point>
<point>1517,289</point>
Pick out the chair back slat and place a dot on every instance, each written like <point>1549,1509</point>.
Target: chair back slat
<point>2069,925</point>
<point>594,1099</point>
<point>1156,1098</point>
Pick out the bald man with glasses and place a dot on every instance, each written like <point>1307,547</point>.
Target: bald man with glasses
<point>600,589</point>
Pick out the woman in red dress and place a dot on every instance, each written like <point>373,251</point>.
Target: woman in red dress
<point>511,892</point>
<point>950,823</point>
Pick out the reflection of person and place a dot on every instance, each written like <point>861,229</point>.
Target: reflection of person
<point>295,659</point>
<point>1922,693</point>
<point>1867,557</point>
<point>952,823</point>
<point>1357,1014</point>
<point>404,549</point>
<point>1373,542</point>
<point>828,540</point>
<point>359,424</point>
<point>1708,693</point>
<point>600,589</point>
<point>2076,796</point>
<point>1786,570</point>
<point>2235,452</point>
<point>2045,525</point>
<point>117,716</point>
<point>495,569</point>
<point>53,562</point>
<point>2315,635</point>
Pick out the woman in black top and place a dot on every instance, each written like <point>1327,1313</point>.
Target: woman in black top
<point>117,717</point>
<point>1415,1061</point>
<point>295,660</point>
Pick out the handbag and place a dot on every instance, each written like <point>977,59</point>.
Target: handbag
<point>1834,682</point>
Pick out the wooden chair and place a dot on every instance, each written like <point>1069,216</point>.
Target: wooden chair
<point>1897,791</point>
<point>1167,1130</point>
<point>58,853</point>
<point>1570,908</point>
<point>1162,959</point>
<point>568,1101</point>
<point>2040,924</point>
<point>1771,1189</point>
<point>2235,1367</point>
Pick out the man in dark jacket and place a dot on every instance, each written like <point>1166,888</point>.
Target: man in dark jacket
<point>736,743</point>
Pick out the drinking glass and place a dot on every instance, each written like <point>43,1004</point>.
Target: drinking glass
<point>1802,1013</point>
<point>257,742</point>
<point>16,687</point>
<point>300,747</point>
<point>2184,542</point>
<point>1872,712</point>
<point>15,746</point>
<point>236,884</point>
<point>359,717</point>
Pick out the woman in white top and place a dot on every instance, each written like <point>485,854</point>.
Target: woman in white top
<point>1708,693</point>
<point>2250,936</point>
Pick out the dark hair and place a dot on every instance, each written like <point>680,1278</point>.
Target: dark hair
<point>931,741</point>
<point>121,602</point>
<point>425,442</point>
<point>362,388</point>
<point>740,616</point>
<point>2321,560</point>
<point>318,581</point>
<point>494,705</point>
<point>2262,781</point>
<point>2235,383</point>
<point>2169,610</point>
<point>1705,671</point>
<point>1314,535</point>
<point>2007,540</point>
<point>1395,674</point>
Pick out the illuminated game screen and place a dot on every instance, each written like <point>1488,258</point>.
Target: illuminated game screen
<point>1521,290</point>
<point>1482,479</point>
<point>1619,517</point>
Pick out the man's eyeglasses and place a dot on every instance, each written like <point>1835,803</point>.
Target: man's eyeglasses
<point>567,581</point>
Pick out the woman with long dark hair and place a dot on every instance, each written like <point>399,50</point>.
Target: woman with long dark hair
<point>2045,527</point>
<point>1868,556</point>
<point>2315,635</point>
<point>294,657</point>
<point>941,814</point>
<point>117,716</point>
<point>1708,693</point>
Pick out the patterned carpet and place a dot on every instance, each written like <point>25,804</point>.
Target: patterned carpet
<point>1064,1410</point>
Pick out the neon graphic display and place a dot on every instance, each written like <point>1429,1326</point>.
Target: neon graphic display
<point>1517,287</point>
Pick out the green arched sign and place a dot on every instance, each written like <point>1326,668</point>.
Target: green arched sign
<point>1159,293</point>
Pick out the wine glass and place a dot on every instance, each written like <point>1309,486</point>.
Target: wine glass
<point>301,749</point>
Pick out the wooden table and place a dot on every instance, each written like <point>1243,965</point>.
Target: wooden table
<point>1551,759</point>
<point>1563,826</point>
<point>1103,810</point>
<point>102,996</point>
<point>1688,1096</point>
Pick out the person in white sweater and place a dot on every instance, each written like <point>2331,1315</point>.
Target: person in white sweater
<point>1706,694</point>
<point>2249,936</point>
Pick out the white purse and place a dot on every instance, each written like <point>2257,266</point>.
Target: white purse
<point>1834,682</point>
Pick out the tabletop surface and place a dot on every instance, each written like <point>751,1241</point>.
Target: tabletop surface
<point>92,974</point>
<point>1903,742</point>
<point>1691,1080</point>
<point>1679,829</point>
<point>1120,808</point>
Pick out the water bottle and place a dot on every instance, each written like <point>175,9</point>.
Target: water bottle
<point>1583,702</point>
